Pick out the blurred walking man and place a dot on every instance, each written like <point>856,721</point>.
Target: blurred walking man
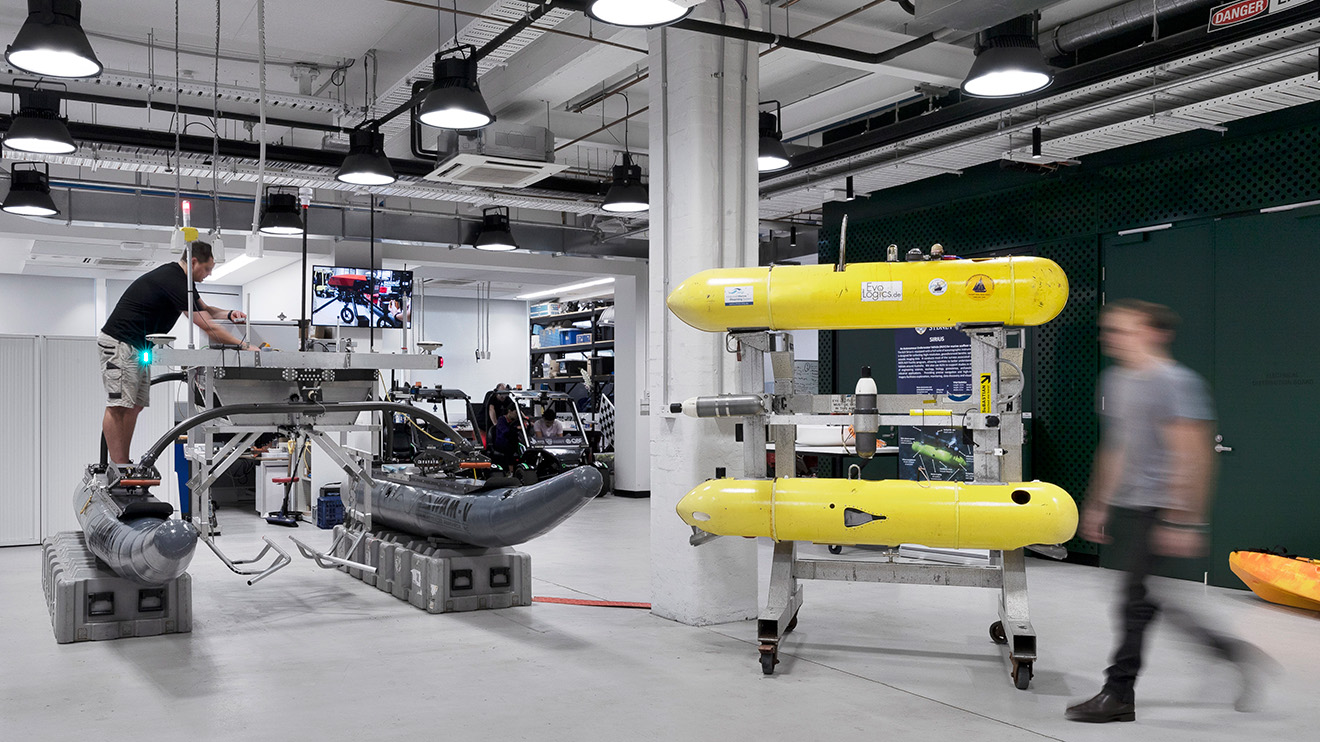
<point>1150,493</point>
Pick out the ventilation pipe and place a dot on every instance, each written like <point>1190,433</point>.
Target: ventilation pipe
<point>1107,24</point>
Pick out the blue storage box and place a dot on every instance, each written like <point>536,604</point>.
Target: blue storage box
<point>329,511</point>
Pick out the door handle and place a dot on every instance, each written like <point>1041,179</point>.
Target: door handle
<point>1220,448</point>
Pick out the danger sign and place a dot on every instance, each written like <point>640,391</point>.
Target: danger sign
<point>1238,12</point>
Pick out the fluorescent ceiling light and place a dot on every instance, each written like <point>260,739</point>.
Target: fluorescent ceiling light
<point>566,289</point>
<point>230,266</point>
<point>1139,230</point>
<point>1288,207</point>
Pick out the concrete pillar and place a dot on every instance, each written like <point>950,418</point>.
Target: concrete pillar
<point>632,433</point>
<point>703,215</point>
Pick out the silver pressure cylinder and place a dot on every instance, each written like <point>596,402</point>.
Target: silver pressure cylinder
<point>724,405</point>
<point>866,417</point>
<point>147,550</point>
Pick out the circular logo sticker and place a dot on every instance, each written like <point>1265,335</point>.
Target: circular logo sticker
<point>980,286</point>
<point>938,286</point>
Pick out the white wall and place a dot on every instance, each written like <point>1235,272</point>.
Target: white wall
<point>46,305</point>
<point>453,321</point>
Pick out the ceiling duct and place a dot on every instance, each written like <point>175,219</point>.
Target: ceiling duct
<point>1107,24</point>
<point>499,156</point>
<point>972,15</point>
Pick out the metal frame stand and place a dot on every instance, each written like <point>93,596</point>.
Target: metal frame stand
<point>996,424</point>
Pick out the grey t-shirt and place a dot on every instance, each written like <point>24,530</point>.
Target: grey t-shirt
<point>1135,407</point>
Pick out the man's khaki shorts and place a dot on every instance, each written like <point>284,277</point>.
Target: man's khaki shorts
<point>127,380</point>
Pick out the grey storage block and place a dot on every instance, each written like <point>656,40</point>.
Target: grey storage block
<point>446,579</point>
<point>88,602</point>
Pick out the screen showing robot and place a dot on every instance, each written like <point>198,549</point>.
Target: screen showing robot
<point>357,297</point>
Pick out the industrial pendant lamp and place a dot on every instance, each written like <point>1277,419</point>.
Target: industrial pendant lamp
<point>627,195</point>
<point>29,191</point>
<point>496,236</point>
<point>51,42</point>
<point>280,215</point>
<point>366,163</point>
<point>638,13</point>
<point>38,127</point>
<point>771,154</point>
<point>454,100</point>
<point>1008,62</point>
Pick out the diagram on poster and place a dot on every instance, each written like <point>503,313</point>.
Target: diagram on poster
<point>934,360</point>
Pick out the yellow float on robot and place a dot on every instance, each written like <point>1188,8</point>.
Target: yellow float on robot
<point>936,293</point>
<point>891,512</point>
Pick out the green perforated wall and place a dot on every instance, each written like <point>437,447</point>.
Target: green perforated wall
<point>1265,161</point>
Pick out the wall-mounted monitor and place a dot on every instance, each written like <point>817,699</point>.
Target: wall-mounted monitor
<point>358,297</point>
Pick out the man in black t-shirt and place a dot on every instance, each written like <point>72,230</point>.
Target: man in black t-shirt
<point>151,305</point>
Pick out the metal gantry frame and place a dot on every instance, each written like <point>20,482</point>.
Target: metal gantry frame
<point>996,422</point>
<point>309,372</point>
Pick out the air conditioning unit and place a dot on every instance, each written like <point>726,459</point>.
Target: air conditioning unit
<point>73,261</point>
<point>497,157</point>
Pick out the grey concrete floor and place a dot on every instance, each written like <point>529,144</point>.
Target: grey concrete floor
<point>312,654</point>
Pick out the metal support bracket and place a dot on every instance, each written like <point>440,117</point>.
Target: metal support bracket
<point>282,559</point>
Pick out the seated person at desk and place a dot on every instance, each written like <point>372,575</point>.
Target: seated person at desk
<point>548,425</point>
<point>504,438</point>
<point>151,305</point>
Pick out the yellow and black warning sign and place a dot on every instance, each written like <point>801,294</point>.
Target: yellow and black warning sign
<point>985,394</point>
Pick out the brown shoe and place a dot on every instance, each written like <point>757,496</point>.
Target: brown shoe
<point>1104,707</point>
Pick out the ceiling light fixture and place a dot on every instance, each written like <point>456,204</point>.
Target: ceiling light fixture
<point>454,100</point>
<point>230,266</point>
<point>771,154</point>
<point>366,163</point>
<point>51,42</point>
<point>281,216</point>
<point>638,13</point>
<point>1036,140</point>
<point>29,191</point>
<point>38,127</point>
<point>1141,230</point>
<point>566,289</point>
<point>627,195</point>
<point>848,193</point>
<point>1008,61</point>
<point>792,236</point>
<point>496,234</point>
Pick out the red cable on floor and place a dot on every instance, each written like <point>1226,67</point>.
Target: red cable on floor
<point>594,603</point>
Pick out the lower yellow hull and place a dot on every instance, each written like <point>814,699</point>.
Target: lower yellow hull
<point>1283,580</point>
<point>845,511</point>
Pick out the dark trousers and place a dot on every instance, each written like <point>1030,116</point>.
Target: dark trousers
<point>1131,533</point>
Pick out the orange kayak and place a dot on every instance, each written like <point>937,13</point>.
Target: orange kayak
<point>1286,580</point>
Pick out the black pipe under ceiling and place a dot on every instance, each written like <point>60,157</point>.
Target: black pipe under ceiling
<point>961,110</point>
<point>787,42</point>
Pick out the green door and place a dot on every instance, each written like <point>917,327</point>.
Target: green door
<point>1267,351</point>
<point>1174,267</point>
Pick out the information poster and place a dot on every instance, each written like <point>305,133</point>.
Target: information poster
<point>934,360</point>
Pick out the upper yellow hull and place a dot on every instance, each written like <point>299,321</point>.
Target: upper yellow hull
<point>890,512</point>
<point>1012,291</point>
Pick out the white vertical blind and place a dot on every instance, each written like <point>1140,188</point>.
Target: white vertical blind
<point>72,403</point>
<point>20,498</point>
